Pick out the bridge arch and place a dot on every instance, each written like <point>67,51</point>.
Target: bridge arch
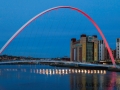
<point>58,7</point>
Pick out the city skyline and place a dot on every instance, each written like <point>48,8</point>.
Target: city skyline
<point>12,19</point>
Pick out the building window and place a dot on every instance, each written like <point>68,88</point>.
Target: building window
<point>118,40</point>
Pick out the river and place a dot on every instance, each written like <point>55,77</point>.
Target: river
<point>43,77</point>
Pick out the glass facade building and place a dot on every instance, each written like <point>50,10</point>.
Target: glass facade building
<point>90,52</point>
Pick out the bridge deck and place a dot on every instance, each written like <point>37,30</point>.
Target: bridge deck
<point>53,61</point>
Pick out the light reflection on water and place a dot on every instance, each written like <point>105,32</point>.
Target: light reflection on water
<point>39,77</point>
<point>57,71</point>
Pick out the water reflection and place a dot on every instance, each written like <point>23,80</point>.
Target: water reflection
<point>57,71</point>
<point>62,78</point>
<point>96,81</point>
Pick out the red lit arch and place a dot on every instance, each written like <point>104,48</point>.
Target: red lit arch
<point>58,7</point>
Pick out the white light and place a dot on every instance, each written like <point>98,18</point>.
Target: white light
<point>63,71</point>
<point>56,71</point>
<point>98,71</point>
<point>88,71</point>
<point>47,71</point>
<point>76,71</point>
<point>104,72</point>
<point>94,71</point>
<point>72,70</point>
<point>91,71</point>
<point>82,71</point>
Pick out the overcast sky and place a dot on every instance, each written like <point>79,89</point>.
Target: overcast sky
<point>50,34</point>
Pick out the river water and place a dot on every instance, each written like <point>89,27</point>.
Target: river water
<point>43,77</point>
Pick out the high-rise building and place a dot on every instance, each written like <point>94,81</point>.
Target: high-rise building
<point>101,50</point>
<point>118,48</point>
<point>92,48</point>
<point>76,48</point>
<point>85,49</point>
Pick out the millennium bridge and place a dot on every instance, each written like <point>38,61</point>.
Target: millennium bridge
<point>57,63</point>
<point>61,63</point>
